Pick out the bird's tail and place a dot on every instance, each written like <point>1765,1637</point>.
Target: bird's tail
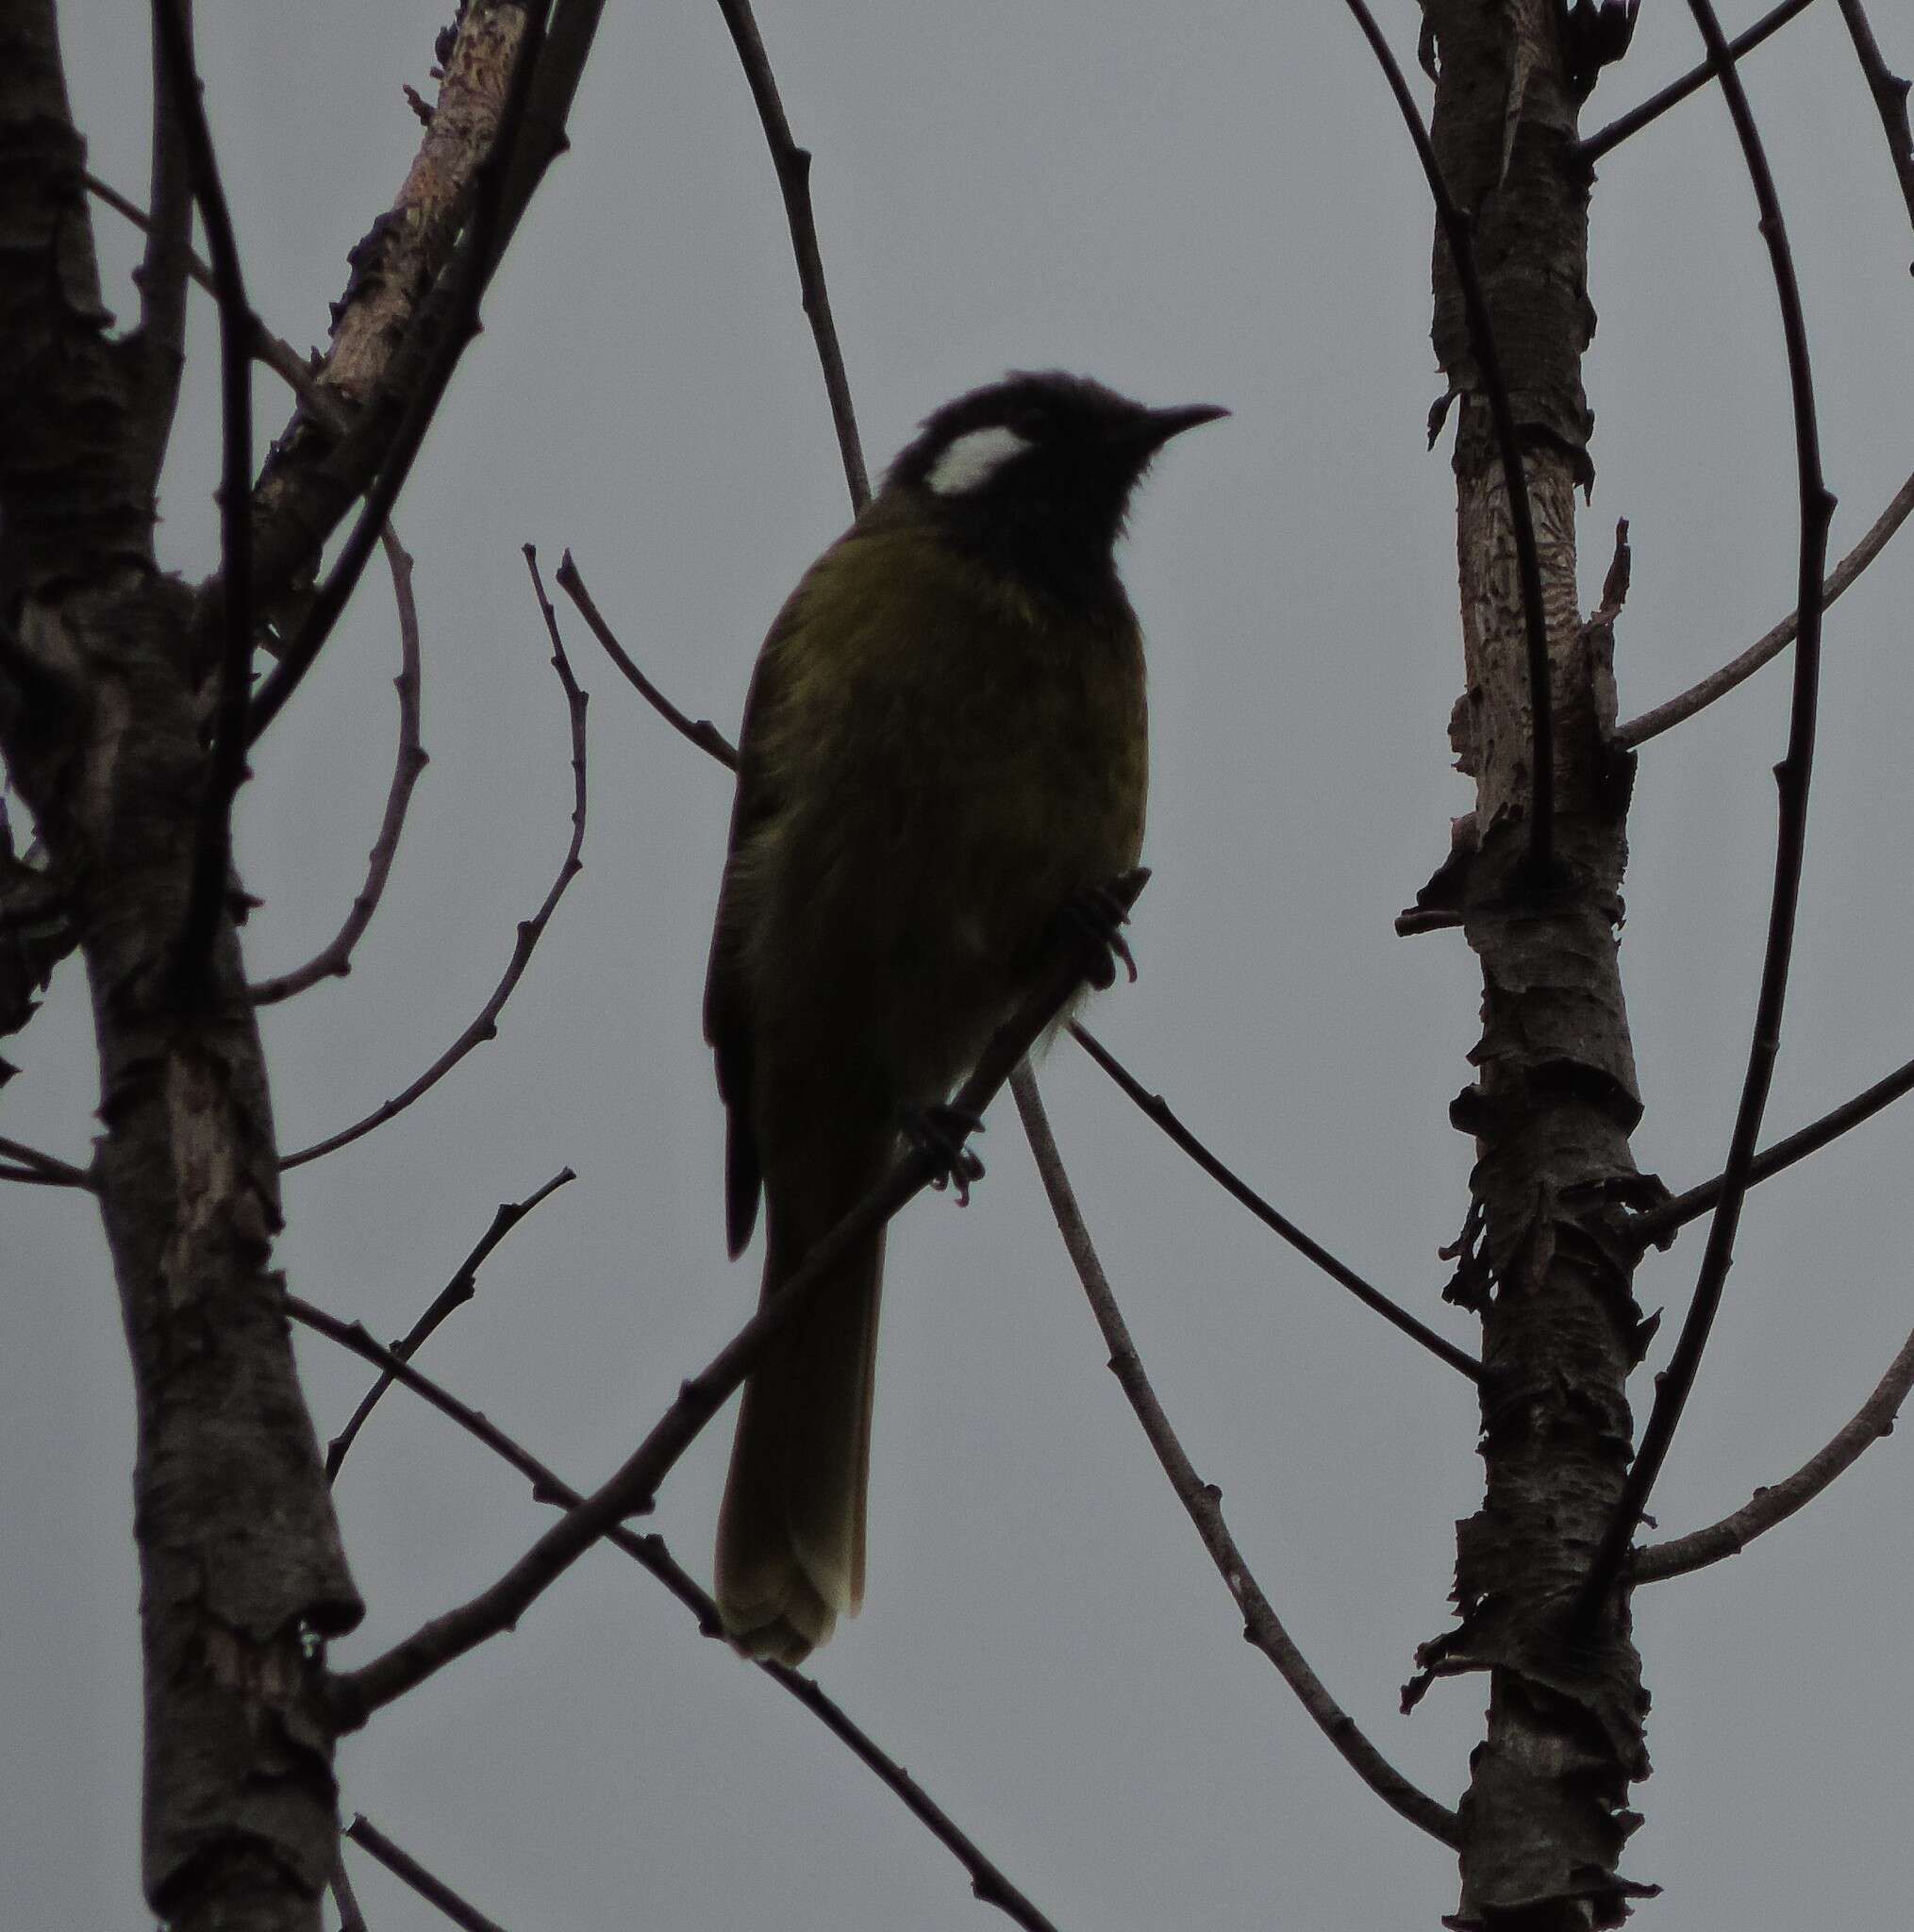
<point>790,1533</point>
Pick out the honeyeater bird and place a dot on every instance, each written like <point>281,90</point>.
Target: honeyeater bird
<point>943,752</point>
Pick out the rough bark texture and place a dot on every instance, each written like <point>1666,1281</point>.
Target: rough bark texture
<point>312,477</point>
<point>1555,1097</point>
<point>103,707</point>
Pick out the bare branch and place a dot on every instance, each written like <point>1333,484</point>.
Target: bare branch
<point>1768,1506</point>
<point>362,1832</point>
<point>454,1295</point>
<point>1719,683</point>
<point>473,268</point>
<point>793,165</point>
<point>1203,1501</point>
<point>1592,150</point>
<point>702,733</point>
<point>44,1169</point>
<point>226,768</point>
<point>1456,230</point>
<point>485,1027</point>
<point>399,303</point>
<point>1792,777</point>
<point>1157,1109</point>
<point>1890,97</point>
<point>631,1489</point>
<point>335,959</point>
<point>1660,1224</point>
<point>649,1553</point>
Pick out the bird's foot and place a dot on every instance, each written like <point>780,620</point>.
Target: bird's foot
<point>1092,919</point>
<point>937,1132</point>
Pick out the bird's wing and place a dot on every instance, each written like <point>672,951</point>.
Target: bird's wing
<point>729,1019</point>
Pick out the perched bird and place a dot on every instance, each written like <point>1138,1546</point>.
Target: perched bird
<point>943,750</point>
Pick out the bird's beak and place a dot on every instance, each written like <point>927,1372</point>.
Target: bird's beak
<point>1153,428</point>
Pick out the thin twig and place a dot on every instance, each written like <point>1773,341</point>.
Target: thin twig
<point>701,732</point>
<point>225,768</point>
<point>1658,1223</point>
<point>1159,1110</point>
<point>274,352</point>
<point>454,1295</point>
<point>1719,683</point>
<point>46,1169</point>
<point>631,1489</point>
<point>1768,1506</point>
<point>1592,150</point>
<point>1203,1501</point>
<point>366,1834</point>
<point>1456,228</point>
<point>1793,777</point>
<point>650,1553</point>
<point>334,960</point>
<point>351,1917</point>
<point>485,1027</point>
<point>1890,97</point>
<point>793,165</point>
<point>472,266</point>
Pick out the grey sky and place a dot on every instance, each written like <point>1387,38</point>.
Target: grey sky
<point>1194,203</point>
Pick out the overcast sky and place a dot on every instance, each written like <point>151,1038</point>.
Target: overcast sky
<point>1195,203</point>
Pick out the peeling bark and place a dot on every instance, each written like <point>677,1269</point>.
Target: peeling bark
<point>1556,1095</point>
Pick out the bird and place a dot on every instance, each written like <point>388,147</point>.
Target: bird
<point>943,759</point>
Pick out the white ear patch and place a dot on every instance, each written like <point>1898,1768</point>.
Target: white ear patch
<point>972,459</point>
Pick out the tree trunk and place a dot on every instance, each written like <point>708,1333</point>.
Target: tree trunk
<point>103,713</point>
<point>1554,1099</point>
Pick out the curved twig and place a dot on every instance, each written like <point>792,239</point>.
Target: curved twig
<point>631,1489</point>
<point>1792,777</point>
<point>1203,1501</point>
<point>334,960</point>
<point>1768,1506</point>
<point>1657,1224</point>
<point>225,768</point>
<point>454,1295</point>
<point>793,165</point>
<point>1159,1110</point>
<point>1456,231</point>
<point>1592,150</point>
<point>485,1027</point>
<point>650,1553</point>
<point>1719,683</point>
<point>701,732</point>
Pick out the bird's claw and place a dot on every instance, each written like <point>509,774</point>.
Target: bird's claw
<point>1094,917</point>
<point>938,1133</point>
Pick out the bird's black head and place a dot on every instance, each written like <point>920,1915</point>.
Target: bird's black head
<point>1034,474</point>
